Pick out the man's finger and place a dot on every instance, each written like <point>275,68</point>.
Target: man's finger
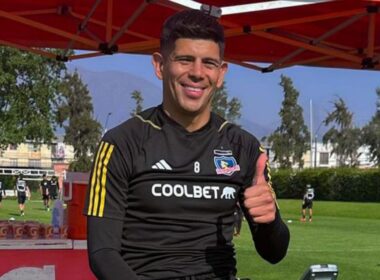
<point>260,167</point>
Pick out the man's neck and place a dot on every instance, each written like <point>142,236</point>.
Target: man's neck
<point>189,122</point>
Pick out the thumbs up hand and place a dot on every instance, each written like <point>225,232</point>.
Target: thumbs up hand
<point>258,198</point>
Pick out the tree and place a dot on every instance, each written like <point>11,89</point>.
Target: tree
<point>343,136</point>
<point>290,140</point>
<point>136,95</point>
<point>75,114</point>
<point>371,133</point>
<point>229,110</point>
<point>28,93</point>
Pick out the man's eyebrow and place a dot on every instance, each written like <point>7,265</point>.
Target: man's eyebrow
<point>177,56</point>
<point>207,59</point>
<point>211,59</point>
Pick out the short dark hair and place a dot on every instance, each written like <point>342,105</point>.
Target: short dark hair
<point>191,24</point>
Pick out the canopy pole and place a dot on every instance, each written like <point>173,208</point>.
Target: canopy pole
<point>130,20</point>
<point>82,26</point>
<point>317,41</point>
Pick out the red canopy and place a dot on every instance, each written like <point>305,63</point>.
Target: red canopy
<point>342,33</point>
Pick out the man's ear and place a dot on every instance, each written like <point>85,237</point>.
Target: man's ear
<point>223,70</point>
<point>158,64</point>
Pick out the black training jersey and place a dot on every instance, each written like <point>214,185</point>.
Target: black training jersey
<point>21,187</point>
<point>176,192</point>
<point>2,191</point>
<point>44,186</point>
<point>53,186</point>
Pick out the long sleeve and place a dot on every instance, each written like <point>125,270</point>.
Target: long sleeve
<point>271,240</point>
<point>104,242</point>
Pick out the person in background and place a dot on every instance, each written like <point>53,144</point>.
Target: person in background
<point>2,192</point>
<point>164,184</point>
<point>44,190</point>
<point>53,188</point>
<point>239,216</point>
<point>23,192</point>
<point>307,203</point>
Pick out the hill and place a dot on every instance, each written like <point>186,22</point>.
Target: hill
<point>111,93</point>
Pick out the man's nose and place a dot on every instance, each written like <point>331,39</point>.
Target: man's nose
<point>197,70</point>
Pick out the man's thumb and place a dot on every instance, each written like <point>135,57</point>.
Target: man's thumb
<point>260,167</point>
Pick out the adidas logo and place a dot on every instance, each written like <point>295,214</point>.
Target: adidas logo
<point>162,164</point>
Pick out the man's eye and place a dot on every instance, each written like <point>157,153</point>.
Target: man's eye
<point>184,59</point>
<point>211,64</point>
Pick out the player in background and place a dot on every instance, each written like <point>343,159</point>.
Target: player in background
<point>307,203</point>
<point>44,189</point>
<point>23,192</point>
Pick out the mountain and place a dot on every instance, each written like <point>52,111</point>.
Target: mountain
<point>111,93</point>
<point>257,130</point>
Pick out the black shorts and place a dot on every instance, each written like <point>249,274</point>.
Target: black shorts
<point>307,204</point>
<point>1,197</point>
<point>45,196</point>
<point>21,199</point>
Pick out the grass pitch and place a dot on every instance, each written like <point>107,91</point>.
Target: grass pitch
<point>34,210</point>
<point>343,233</point>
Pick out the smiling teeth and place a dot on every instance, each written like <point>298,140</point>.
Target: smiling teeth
<point>194,89</point>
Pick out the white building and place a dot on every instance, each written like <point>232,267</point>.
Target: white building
<point>322,156</point>
<point>35,159</point>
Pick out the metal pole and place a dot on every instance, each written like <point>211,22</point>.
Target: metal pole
<point>105,125</point>
<point>315,150</point>
<point>311,133</point>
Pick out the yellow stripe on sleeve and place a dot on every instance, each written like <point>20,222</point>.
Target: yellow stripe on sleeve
<point>270,184</point>
<point>262,149</point>
<point>103,181</point>
<point>93,179</point>
<point>98,176</point>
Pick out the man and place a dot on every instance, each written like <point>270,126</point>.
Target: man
<point>307,202</point>
<point>2,192</point>
<point>239,215</point>
<point>53,188</point>
<point>44,190</point>
<point>23,192</point>
<point>164,184</point>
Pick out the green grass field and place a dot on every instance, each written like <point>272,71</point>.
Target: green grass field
<point>34,210</point>
<point>342,233</point>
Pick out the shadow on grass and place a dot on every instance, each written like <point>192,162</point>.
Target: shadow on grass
<point>14,214</point>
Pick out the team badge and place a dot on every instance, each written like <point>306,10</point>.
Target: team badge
<point>225,163</point>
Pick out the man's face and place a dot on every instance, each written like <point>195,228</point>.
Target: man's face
<point>190,73</point>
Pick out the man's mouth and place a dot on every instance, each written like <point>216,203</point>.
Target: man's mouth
<point>193,92</point>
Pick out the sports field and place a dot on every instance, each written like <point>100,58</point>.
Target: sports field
<point>342,233</point>
<point>34,210</point>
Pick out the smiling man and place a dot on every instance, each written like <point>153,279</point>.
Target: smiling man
<point>165,184</point>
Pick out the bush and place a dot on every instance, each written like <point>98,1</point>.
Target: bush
<point>338,184</point>
<point>9,183</point>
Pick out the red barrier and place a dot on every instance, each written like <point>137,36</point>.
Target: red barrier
<point>74,193</point>
<point>52,263</point>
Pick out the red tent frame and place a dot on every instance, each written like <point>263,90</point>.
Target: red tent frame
<point>340,33</point>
